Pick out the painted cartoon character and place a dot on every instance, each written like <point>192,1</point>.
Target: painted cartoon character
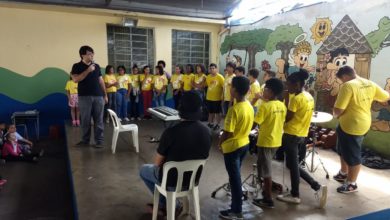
<point>337,59</point>
<point>383,119</point>
<point>235,59</point>
<point>321,29</point>
<point>300,57</point>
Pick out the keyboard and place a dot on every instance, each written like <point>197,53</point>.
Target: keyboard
<point>165,113</point>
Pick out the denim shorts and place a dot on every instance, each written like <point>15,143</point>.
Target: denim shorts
<point>349,147</point>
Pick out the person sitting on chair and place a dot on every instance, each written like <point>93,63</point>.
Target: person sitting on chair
<point>187,140</point>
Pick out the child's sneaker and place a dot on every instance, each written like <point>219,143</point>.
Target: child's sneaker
<point>321,195</point>
<point>132,118</point>
<point>74,123</point>
<point>347,188</point>
<point>139,118</point>
<point>340,177</point>
<point>264,203</point>
<point>289,199</point>
<point>77,122</point>
<point>228,214</point>
<point>126,119</point>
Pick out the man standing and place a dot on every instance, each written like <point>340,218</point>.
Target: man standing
<point>353,109</point>
<point>214,82</point>
<point>92,96</point>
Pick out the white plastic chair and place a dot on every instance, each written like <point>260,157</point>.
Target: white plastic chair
<point>193,166</point>
<point>118,127</point>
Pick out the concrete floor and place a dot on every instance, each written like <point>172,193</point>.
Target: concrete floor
<point>108,186</point>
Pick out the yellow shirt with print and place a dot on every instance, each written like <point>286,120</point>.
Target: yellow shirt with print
<point>198,78</point>
<point>71,86</point>
<point>123,81</point>
<point>226,87</point>
<point>254,89</point>
<point>356,97</point>
<point>176,81</point>
<point>160,81</point>
<point>215,87</point>
<point>110,78</point>
<point>134,79</point>
<point>302,105</point>
<point>270,116</point>
<point>239,121</point>
<point>146,82</point>
<point>187,80</point>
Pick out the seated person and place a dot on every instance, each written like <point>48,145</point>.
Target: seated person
<point>25,144</point>
<point>12,150</point>
<point>187,140</point>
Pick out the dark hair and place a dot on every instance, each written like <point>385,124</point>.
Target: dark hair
<point>270,73</point>
<point>190,106</point>
<point>213,65</point>
<point>298,77</point>
<point>121,67</point>
<point>108,67</point>
<point>203,69</point>
<point>241,69</point>
<point>84,49</point>
<point>135,66</point>
<point>231,64</point>
<point>160,70</point>
<point>345,70</point>
<point>161,62</point>
<point>143,69</point>
<point>180,67</point>
<point>339,51</point>
<point>275,85</point>
<point>241,84</point>
<point>254,73</point>
<point>191,67</point>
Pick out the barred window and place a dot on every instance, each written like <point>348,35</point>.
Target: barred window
<point>129,45</point>
<point>190,47</point>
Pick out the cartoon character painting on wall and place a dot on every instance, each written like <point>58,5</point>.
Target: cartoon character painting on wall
<point>321,29</point>
<point>335,60</point>
<point>382,122</point>
<point>235,59</point>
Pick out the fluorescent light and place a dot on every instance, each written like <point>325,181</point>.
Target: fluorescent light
<point>129,22</point>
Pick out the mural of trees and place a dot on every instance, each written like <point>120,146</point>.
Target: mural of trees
<point>252,41</point>
<point>377,38</point>
<point>283,39</point>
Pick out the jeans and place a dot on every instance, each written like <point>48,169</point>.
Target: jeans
<point>122,103</point>
<point>233,161</point>
<point>134,105</point>
<point>291,144</point>
<point>91,106</point>
<point>159,100</point>
<point>111,102</point>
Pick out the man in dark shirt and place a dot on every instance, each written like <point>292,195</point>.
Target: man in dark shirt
<point>92,96</point>
<point>187,140</point>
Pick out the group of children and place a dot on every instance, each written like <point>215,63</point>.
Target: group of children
<point>282,117</point>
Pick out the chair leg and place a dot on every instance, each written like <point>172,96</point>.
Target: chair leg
<point>195,196</point>
<point>171,205</point>
<point>156,196</point>
<point>114,140</point>
<point>135,140</point>
<point>186,205</point>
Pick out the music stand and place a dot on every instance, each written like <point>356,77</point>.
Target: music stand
<point>318,117</point>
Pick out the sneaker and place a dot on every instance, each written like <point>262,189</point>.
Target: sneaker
<point>216,127</point>
<point>107,121</point>
<point>132,118</point>
<point>139,118</point>
<point>41,152</point>
<point>2,182</point>
<point>340,177</point>
<point>264,203</point>
<point>99,145</point>
<point>321,195</point>
<point>347,188</point>
<point>126,119</point>
<point>120,120</point>
<point>289,199</point>
<point>77,122</point>
<point>74,124</point>
<point>35,159</point>
<point>82,144</point>
<point>228,214</point>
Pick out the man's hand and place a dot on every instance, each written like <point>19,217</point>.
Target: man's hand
<point>105,99</point>
<point>91,68</point>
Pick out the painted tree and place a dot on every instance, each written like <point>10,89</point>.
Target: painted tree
<point>283,39</point>
<point>252,41</point>
<point>380,38</point>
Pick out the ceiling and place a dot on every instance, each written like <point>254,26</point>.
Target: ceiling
<point>211,9</point>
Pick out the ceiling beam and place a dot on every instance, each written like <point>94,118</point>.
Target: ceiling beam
<point>108,2</point>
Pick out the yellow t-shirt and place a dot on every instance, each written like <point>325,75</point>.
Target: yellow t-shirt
<point>160,81</point>
<point>176,80</point>
<point>146,83</point>
<point>135,82</point>
<point>110,78</point>
<point>226,87</point>
<point>71,86</point>
<point>302,105</point>
<point>187,80</point>
<point>356,97</point>
<point>199,78</point>
<point>239,121</point>
<point>215,87</point>
<point>254,89</point>
<point>123,81</point>
<point>270,116</point>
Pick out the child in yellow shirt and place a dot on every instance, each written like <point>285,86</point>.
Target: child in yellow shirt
<point>199,82</point>
<point>147,90</point>
<point>73,101</point>
<point>160,83</point>
<point>111,84</point>
<point>176,84</point>
<point>214,82</point>
<point>254,89</point>
<point>124,87</point>
<point>135,93</point>
<point>234,143</point>
<point>188,78</point>
<point>227,100</point>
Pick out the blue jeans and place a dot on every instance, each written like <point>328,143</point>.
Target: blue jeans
<point>121,103</point>
<point>233,163</point>
<point>159,100</point>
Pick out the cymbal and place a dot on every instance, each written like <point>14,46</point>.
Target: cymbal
<point>321,117</point>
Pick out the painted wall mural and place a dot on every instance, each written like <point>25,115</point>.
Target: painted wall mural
<point>321,39</point>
